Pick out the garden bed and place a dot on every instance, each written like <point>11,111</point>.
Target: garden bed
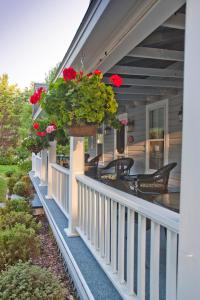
<point>50,258</point>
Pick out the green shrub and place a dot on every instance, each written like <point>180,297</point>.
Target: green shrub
<point>16,205</point>
<point>9,173</point>
<point>9,220</point>
<point>18,243</point>
<point>22,189</point>
<point>30,282</point>
<point>11,183</point>
<point>25,165</point>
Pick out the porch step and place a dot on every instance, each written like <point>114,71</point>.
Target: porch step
<point>90,280</point>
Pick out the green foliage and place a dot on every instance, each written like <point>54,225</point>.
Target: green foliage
<point>35,143</point>
<point>30,282</point>
<point>18,243</point>
<point>12,218</point>
<point>23,189</point>
<point>9,173</point>
<point>16,205</point>
<point>3,188</point>
<point>25,165</point>
<point>85,100</point>
<point>9,120</point>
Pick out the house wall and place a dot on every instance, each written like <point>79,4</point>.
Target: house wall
<point>136,150</point>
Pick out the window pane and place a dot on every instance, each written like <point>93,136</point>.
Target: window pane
<point>156,154</point>
<point>156,124</point>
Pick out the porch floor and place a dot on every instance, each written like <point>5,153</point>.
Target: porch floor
<point>98,283</point>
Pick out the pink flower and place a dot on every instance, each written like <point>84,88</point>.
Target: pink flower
<point>124,122</point>
<point>50,129</point>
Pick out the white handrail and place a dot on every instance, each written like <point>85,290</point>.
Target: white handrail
<point>158,214</point>
<point>60,168</point>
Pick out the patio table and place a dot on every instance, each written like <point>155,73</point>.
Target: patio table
<point>169,200</point>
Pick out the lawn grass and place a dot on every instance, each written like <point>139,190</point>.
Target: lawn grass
<point>3,179</point>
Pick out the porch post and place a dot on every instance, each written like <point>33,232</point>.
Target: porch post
<point>189,244</point>
<point>51,159</point>
<point>43,171</point>
<point>76,167</point>
<point>33,162</point>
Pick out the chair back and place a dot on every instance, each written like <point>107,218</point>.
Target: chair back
<point>94,161</point>
<point>164,172</point>
<point>122,165</point>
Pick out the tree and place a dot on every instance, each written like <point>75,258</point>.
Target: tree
<point>9,114</point>
<point>51,74</point>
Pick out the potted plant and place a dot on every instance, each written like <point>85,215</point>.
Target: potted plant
<point>81,102</point>
<point>48,129</point>
<point>35,143</point>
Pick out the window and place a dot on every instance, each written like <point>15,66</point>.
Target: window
<point>156,135</point>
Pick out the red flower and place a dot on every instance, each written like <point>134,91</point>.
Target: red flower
<point>69,74</point>
<point>41,133</point>
<point>36,125</point>
<point>97,72</point>
<point>89,74</point>
<point>116,80</point>
<point>37,95</point>
<point>34,98</point>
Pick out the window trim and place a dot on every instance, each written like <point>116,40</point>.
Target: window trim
<point>149,107</point>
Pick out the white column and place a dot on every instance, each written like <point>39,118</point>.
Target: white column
<point>76,167</point>
<point>43,170</point>
<point>189,243</point>
<point>33,162</point>
<point>51,159</point>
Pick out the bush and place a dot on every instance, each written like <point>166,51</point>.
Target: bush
<point>15,205</point>
<point>18,243</point>
<point>9,173</point>
<point>13,180</point>
<point>30,282</point>
<point>9,220</point>
<point>25,165</point>
<point>22,189</point>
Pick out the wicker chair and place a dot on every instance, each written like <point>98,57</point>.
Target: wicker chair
<point>156,182</point>
<point>116,168</point>
<point>91,166</point>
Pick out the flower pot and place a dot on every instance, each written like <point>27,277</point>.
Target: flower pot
<point>35,149</point>
<point>82,130</point>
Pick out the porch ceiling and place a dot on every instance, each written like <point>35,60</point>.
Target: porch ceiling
<point>154,69</point>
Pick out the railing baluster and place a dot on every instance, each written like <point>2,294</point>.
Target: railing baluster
<point>107,230</point>
<point>121,235</point>
<point>130,250</point>
<point>171,268</point>
<point>154,261</point>
<point>93,217</point>
<point>89,214</point>
<point>102,225</point>
<point>114,236</point>
<point>85,209</point>
<point>141,257</point>
<point>97,222</point>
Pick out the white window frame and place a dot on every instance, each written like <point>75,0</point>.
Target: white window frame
<point>160,104</point>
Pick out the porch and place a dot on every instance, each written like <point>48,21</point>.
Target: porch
<point>132,243</point>
<point>136,242</point>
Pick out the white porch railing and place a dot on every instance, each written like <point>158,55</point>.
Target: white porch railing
<point>114,226</point>
<point>60,186</point>
<point>36,164</point>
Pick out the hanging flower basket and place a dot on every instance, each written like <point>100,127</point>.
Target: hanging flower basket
<point>82,130</point>
<point>78,100</point>
<point>34,149</point>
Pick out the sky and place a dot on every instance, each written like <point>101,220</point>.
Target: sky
<point>35,35</point>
